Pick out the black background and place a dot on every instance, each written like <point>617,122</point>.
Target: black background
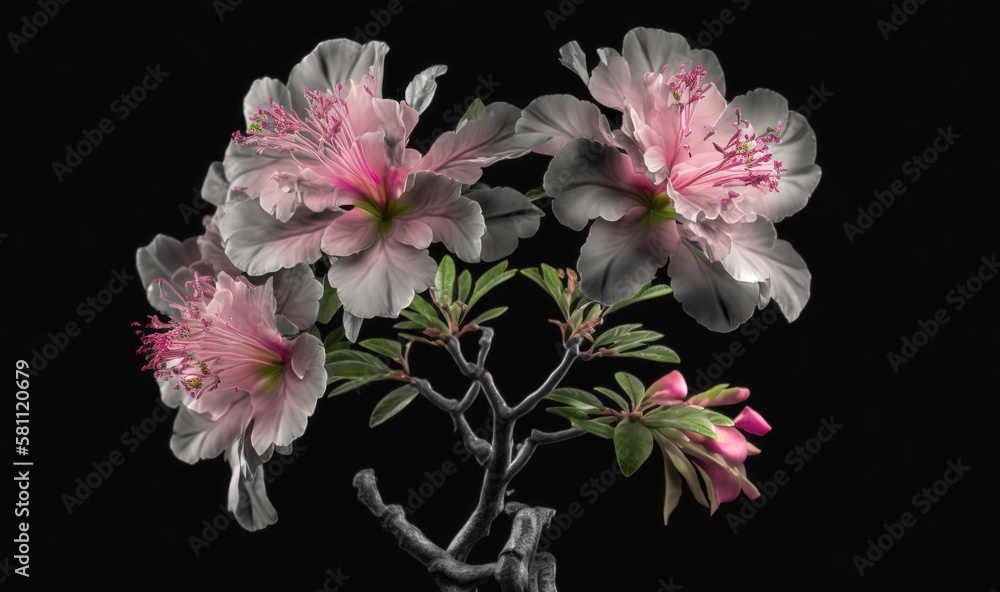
<point>62,240</point>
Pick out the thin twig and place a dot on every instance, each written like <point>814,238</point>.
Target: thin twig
<point>532,400</point>
<point>527,447</point>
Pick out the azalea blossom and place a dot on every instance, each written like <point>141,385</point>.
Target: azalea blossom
<point>720,459</point>
<point>239,384</point>
<point>688,179</point>
<point>325,164</point>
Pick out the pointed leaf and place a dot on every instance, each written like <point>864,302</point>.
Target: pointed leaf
<point>387,347</point>
<point>464,285</point>
<point>615,333</point>
<point>633,443</point>
<point>536,194</point>
<point>646,292</point>
<point>683,466</point>
<point>632,387</point>
<point>655,353</point>
<point>618,399</point>
<point>489,315</point>
<point>444,281</point>
<point>351,385</point>
<point>409,325</point>
<point>495,276</point>
<point>579,399</point>
<point>672,494</point>
<point>475,111</point>
<point>392,404</point>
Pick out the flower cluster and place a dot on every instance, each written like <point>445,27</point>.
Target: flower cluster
<point>688,181</point>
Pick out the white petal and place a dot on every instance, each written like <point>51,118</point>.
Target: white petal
<point>456,221</point>
<point>352,326</point>
<point>611,82</point>
<point>350,233</point>
<point>333,62</point>
<point>620,256</point>
<point>166,257</point>
<point>589,180</point>
<point>381,280</point>
<point>248,500</point>
<point>563,118</point>
<point>255,175</point>
<point>297,294</point>
<point>462,155</point>
<point>572,56</point>
<point>648,50</point>
<point>757,256</point>
<point>197,437</point>
<point>215,188</point>
<point>262,93</point>
<point>509,216</point>
<point>281,416</point>
<point>708,292</point>
<point>420,91</point>
<point>259,244</point>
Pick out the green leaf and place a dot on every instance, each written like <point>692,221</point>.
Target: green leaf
<point>615,333</point>
<point>577,398</point>
<point>392,404</point>
<point>329,304</point>
<point>536,194</point>
<point>633,443</point>
<point>387,347</point>
<point>421,311</point>
<point>618,399</point>
<point>646,292</point>
<point>444,281</point>
<point>467,187</point>
<point>656,353</point>
<point>554,284</point>
<point>489,315</point>
<point>580,419</point>
<point>632,387</point>
<point>409,325</point>
<point>635,339</point>
<point>351,363</point>
<point>495,276</point>
<point>672,494</point>
<point>464,285</point>
<point>683,466</point>
<point>474,112</point>
<point>351,385</point>
<point>712,393</point>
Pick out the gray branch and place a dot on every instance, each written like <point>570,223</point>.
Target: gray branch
<point>527,448</point>
<point>478,373</point>
<point>532,400</point>
<point>515,571</point>
<point>450,573</point>
<point>476,446</point>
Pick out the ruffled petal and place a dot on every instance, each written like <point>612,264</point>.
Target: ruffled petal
<point>707,291</point>
<point>170,259</point>
<point>757,257</point>
<point>649,50</point>
<point>259,244</point>
<point>333,62</point>
<point>248,500</point>
<point>589,180</point>
<point>196,436</point>
<point>622,255</point>
<point>381,280</point>
<point>281,416</point>
<point>464,153</point>
<point>420,91</point>
<point>563,117</point>
<point>297,294</point>
<point>351,233</point>
<point>509,216</point>
<point>455,220</point>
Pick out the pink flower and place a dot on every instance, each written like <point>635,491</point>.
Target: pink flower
<point>687,179</point>
<point>719,459</point>
<point>326,163</point>
<point>250,389</point>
